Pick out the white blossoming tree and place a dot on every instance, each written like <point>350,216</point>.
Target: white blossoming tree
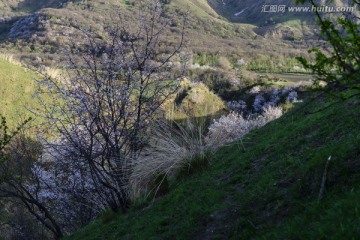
<point>97,112</point>
<point>113,88</point>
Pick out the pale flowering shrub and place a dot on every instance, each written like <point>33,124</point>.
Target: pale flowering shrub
<point>255,89</point>
<point>259,102</point>
<point>228,129</point>
<point>292,97</point>
<point>63,181</point>
<point>271,113</point>
<point>237,106</point>
<point>265,108</point>
<point>274,98</point>
<point>286,91</point>
<point>234,126</point>
<point>65,185</point>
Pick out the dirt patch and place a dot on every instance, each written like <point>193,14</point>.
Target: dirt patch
<point>219,225</point>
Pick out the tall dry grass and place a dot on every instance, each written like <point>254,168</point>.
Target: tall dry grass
<point>10,58</point>
<point>174,150</point>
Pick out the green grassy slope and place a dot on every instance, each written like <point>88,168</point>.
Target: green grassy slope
<point>199,8</point>
<point>263,188</point>
<point>16,89</point>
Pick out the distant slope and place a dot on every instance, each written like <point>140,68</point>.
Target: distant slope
<point>17,86</point>
<point>40,32</point>
<point>197,7</point>
<point>12,11</point>
<point>265,187</point>
<point>270,24</point>
<point>258,12</point>
<point>216,11</point>
<point>47,29</point>
<point>9,8</point>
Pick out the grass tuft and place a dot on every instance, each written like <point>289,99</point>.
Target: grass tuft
<point>174,150</point>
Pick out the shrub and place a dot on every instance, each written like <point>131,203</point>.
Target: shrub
<point>192,100</point>
<point>271,113</point>
<point>234,126</point>
<point>111,91</point>
<point>237,106</point>
<point>274,98</point>
<point>339,67</point>
<point>224,63</point>
<point>228,129</point>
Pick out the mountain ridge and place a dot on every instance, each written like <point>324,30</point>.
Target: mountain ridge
<point>212,28</point>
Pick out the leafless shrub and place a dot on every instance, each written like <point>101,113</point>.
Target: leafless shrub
<point>112,89</point>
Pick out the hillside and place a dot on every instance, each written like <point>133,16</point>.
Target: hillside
<point>39,28</point>
<point>274,24</point>
<point>258,13</point>
<point>134,136</point>
<point>227,14</point>
<point>17,86</point>
<point>265,187</point>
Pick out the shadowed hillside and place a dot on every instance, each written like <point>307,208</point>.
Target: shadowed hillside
<point>179,119</point>
<point>264,187</point>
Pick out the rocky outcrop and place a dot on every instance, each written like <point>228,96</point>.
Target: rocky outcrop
<point>27,26</point>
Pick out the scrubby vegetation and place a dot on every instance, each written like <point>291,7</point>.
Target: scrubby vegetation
<point>193,100</point>
<point>166,120</point>
<point>265,186</point>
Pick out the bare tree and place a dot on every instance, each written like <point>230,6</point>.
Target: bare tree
<point>113,87</point>
<point>15,175</point>
<point>57,195</point>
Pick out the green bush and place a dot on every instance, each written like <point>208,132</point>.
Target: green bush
<point>339,69</point>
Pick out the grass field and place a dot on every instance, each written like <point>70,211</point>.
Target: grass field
<point>197,7</point>
<point>293,79</point>
<point>17,86</point>
<point>265,187</point>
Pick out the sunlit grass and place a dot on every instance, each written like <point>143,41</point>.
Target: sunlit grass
<point>17,87</point>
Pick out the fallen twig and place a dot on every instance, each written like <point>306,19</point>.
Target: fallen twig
<point>322,188</point>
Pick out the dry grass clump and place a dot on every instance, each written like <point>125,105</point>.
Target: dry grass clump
<point>10,58</point>
<point>52,73</point>
<point>174,150</point>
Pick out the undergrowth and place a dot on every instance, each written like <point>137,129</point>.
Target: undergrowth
<point>264,188</point>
